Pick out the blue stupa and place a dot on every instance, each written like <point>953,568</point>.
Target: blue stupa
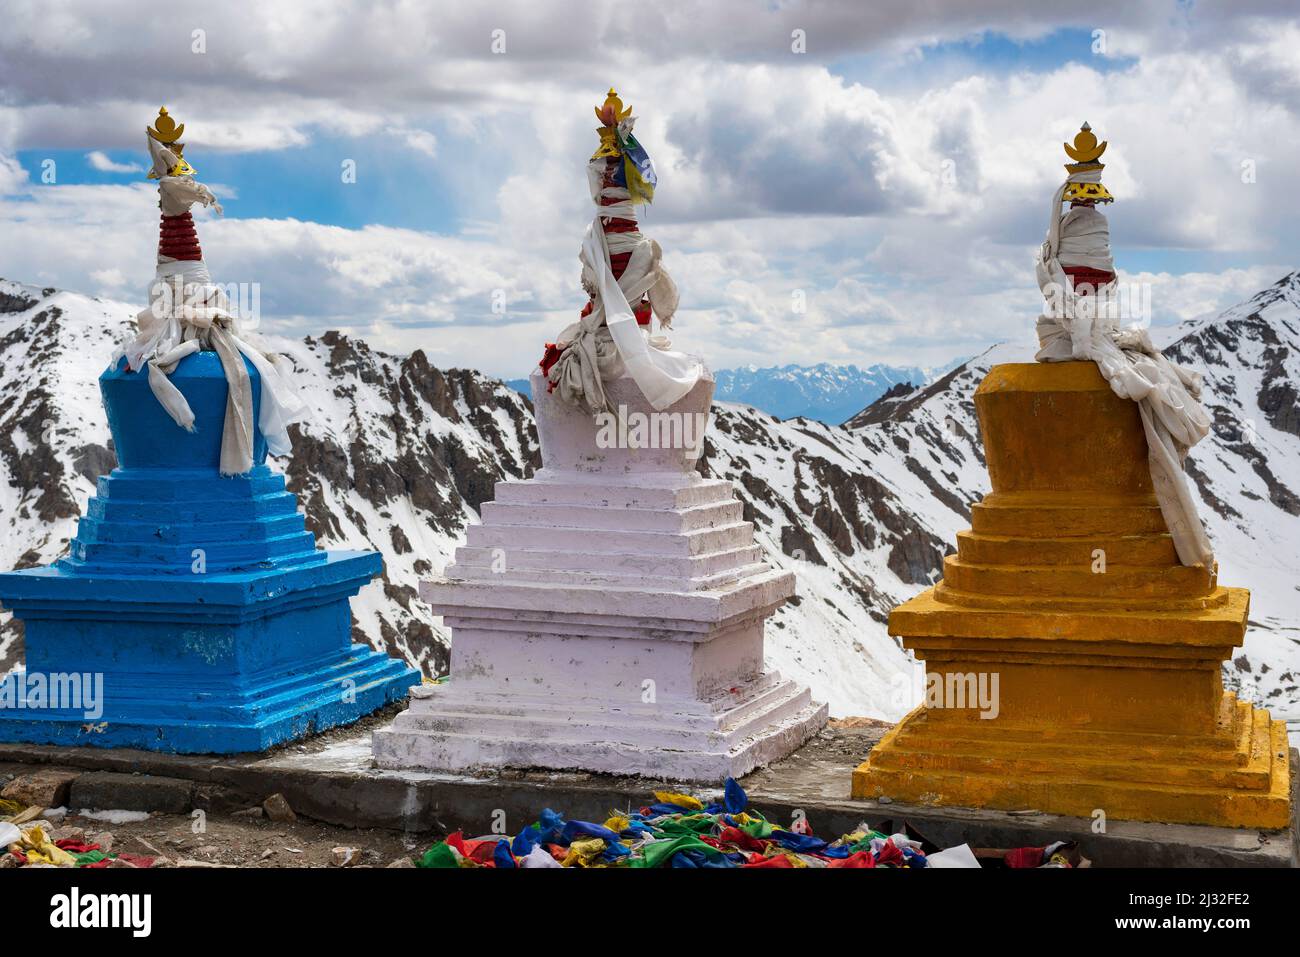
<point>193,612</point>
<point>199,601</point>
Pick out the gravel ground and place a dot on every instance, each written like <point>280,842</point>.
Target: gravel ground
<point>198,839</point>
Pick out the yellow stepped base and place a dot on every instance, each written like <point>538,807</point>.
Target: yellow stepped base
<point>1241,780</point>
<point>1067,597</point>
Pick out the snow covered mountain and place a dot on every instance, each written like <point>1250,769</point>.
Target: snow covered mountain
<point>398,456</point>
<point>1248,476</point>
<point>824,392</point>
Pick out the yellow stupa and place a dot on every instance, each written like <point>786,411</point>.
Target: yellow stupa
<point>1106,649</point>
<point>1066,596</point>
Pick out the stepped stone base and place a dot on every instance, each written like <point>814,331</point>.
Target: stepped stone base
<point>705,741</point>
<point>607,616</point>
<point>1237,776</point>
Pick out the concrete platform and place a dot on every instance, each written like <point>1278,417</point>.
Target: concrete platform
<point>331,778</point>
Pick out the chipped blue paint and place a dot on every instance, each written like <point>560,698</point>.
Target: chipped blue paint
<point>253,650</point>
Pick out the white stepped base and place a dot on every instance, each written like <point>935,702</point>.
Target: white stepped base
<point>444,731</point>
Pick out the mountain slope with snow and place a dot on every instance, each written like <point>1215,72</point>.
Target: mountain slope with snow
<point>1247,473</point>
<point>863,517</point>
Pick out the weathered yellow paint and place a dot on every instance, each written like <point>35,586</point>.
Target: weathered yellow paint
<point>1109,689</point>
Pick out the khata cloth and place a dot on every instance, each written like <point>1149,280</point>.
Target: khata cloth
<point>608,341</point>
<point>1084,328</point>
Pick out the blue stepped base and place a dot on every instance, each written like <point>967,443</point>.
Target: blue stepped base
<point>201,600</point>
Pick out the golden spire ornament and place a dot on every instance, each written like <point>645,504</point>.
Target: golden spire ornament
<point>1086,153</point>
<point>611,114</point>
<point>166,132</point>
<point>164,129</point>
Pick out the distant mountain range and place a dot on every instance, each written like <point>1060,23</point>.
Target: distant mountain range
<point>826,393</point>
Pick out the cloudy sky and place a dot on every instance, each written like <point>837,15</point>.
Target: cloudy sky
<point>889,164</point>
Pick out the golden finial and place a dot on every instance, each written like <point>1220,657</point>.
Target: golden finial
<point>611,112</point>
<point>1085,148</point>
<point>167,132</point>
<point>1086,153</point>
<point>164,129</point>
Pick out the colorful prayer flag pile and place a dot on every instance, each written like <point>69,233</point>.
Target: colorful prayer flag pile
<point>676,831</point>
<point>32,845</point>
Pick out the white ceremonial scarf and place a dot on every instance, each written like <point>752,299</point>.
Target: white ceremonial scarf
<point>663,376</point>
<point>187,313</point>
<point>1081,327</point>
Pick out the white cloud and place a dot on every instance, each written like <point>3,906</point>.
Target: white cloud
<point>12,175</point>
<point>422,141</point>
<point>109,279</point>
<point>777,173</point>
<point>100,160</point>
